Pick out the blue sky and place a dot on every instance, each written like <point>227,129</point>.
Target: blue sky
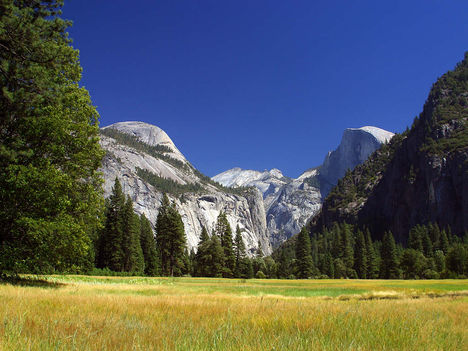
<point>264,84</point>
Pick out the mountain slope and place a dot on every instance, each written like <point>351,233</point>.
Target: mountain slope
<point>420,177</point>
<point>147,163</point>
<point>290,203</point>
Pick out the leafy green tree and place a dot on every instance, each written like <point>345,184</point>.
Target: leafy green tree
<point>389,266</point>
<point>148,247</point>
<point>305,266</point>
<point>457,259</point>
<point>444,242</point>
<point>50,190</point>
<point>413,263</point>
<point>439,261</point>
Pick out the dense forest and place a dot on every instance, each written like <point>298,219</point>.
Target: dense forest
<point>54,218</point>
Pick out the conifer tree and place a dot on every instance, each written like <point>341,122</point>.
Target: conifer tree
<point>389,266</point>
<point>372,260</point>
<point>170,238</point>
<point>361,257</point>
<point>304,263</point>
<point>444,242</point>
<point>133,260</point>
<point>283,265</point>
<point>203,257</point>
<point>111,253</point>
<point>348,252</point>
<point>215,267</point>
<point>415,238</point>
<point>240,254</point>
<point>148,246</point>
<point>223,230</point>
<point>50,188</point>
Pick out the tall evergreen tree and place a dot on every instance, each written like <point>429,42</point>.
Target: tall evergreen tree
<point>224,231</point>
<point>240,254</point>
<point>148,246</point>
<point>361,256</point>
<point>389,266</point>
<point>215,266</point>
<point>348,252</point>
<point>133,260</point>
<point>50,190</point>
<point>305,267</point>
<point>372,260</point>
<point>170,238</point>
<point>415,238</point>
<point>202,257</point>
<point>111,252</point>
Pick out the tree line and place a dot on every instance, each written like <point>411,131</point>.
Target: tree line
<point>344,251</point>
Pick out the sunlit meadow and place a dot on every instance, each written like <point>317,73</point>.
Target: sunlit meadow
<point>114,313</point>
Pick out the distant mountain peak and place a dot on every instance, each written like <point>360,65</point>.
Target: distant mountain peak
<point>382,135</point>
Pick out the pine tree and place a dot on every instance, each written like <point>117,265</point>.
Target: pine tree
<point>305,267</point>
<point>50,188</point>
<point>372,260</point>
<point>283,265</point>
<point>215,266</point>
<point>240,254</point>
<point>427,243</point>
<point>203,257</point>
<point>259,253</point>
<point>348,252</point>
<point>111,252</point>
<point>444,242</point>
<point>148,246</point>
<point>170,238</point>
<point>389,265</point>
<point>223,230</point>
<point>361,257</point>
<point>133,260</point>
<point>415,238</point>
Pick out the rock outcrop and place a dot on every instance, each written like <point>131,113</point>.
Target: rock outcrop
<point>290,203</point>
<point>149,148</point>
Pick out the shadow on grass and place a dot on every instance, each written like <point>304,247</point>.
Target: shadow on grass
<point>29,282</point>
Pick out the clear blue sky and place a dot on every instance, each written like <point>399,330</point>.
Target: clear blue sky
<point>264,84</point>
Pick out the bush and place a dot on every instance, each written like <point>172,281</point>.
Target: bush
<point>260,275</point>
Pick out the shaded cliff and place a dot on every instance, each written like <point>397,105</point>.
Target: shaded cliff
<point>421,176</point>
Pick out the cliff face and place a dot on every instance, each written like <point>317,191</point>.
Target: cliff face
<point>150,149</point>
<point>290,203</point>
<point>421,177</point>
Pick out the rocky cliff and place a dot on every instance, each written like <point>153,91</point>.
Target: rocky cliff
<point>290,203</point>
<point>420,177</point>
<point>147,162</point>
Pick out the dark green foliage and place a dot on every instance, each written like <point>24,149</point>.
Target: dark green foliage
<point>361,258</point>
<point>390,266</point>
<point>119,244</point>
<point>305,265</point>
<point>111,254</point>
<point>457,259</point>
<point>50,190</point>
<point>413,263</point>
<point>223,230</point>
<point>168,185</point>
<point>148,246</point>
<point>372,258</point>
<point>170,238</point>
<point>241,267</point>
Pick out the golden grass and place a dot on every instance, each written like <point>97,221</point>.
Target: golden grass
<point>217,314</point>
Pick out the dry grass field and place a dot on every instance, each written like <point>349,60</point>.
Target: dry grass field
<point>113,313</point>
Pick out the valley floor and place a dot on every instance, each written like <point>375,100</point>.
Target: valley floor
<point>114,313</point>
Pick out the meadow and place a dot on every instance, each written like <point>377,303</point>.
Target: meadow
<point>132,313</point>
